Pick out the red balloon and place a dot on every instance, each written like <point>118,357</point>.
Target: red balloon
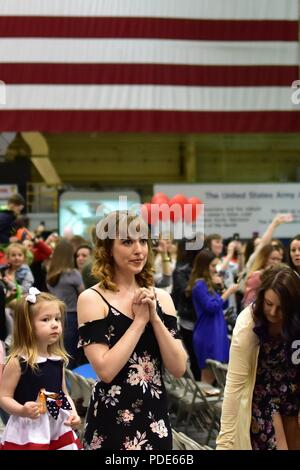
<point>176,211</point>
<point>179,199</point>
<point>193,209</point>
<point>150,214</point>
<point>159,198</point>
<point>194,200</point>
<point>164,211</point>
<point>177,203</point>
<point>159,206</point>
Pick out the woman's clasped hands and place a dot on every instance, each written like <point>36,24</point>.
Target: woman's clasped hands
<point>144,305</point>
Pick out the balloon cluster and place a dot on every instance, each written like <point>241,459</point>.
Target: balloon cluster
<point>178,208</point>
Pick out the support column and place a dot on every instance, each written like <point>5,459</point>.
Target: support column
<point>190,164</point>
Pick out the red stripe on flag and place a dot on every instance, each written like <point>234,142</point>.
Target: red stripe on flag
<point>144,74</point>
<point>152,28</point>
<point>150,121</point>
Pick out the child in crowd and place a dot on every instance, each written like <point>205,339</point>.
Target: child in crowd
<point>18,276</point>
<point>33,389</point>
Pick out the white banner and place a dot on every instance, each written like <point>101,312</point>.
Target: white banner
<point>242,208</point>
<point>7,190</point>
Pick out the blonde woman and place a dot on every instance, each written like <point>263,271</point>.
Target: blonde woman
<point>269,255</point>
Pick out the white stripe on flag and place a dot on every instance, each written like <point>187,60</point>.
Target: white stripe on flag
<point>148,51</point>
<point>126,97</point>
<point>194,9</point>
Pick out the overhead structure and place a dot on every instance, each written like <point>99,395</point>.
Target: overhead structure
<point>40,157</point>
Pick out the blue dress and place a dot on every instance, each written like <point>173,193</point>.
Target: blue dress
<point>131,412</point>
<point>210,339</point>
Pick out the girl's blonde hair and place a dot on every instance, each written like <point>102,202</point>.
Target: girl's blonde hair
<point>262,257</point>
<point>103,266</point>
<point>24,340</point>
<point>21,247</point>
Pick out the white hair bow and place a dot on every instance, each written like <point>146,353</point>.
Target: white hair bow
<point>31,297</point>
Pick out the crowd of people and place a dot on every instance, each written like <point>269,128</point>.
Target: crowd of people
<point>132,307</point>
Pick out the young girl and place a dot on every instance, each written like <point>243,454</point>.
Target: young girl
<point>19,276</point>
<point>33,389</point>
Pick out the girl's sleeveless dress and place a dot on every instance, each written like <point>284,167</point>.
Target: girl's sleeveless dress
<point>48,432</point>
<point>130,413</point>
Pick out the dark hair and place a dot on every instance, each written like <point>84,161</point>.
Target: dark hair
<point>87,247</point>
<point>290,262</point>
<point>210,238</point>
<point>22,221</point>
<point>185,256</point>
<point>16,199</point>
<point>84,245</point>
<point>286,284</point>
<point>201,270</point>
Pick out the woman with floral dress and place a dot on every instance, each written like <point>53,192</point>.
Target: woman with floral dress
<point>128,330</point>
<point>262,394</point>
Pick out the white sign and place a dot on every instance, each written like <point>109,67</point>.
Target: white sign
<point>242,208</point>
<point>7,190</point>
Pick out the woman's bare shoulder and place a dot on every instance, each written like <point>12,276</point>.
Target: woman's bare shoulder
<point>91,306</point>
<point>165,301</point>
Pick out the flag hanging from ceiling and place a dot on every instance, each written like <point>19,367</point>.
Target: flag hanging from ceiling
<point>149,66</point>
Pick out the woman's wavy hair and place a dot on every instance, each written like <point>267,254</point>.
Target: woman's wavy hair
<point>200,270</point>
<point>285,282</point>
<point>24,340</point>
<point>117,224</point>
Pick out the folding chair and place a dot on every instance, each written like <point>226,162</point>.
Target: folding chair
<point>80,388</point>
<point>219,370</point>
<point>190,444</point>
<point>199,402</point>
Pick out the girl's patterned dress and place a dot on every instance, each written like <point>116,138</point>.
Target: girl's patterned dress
<point>130,413</point>
<point>275,391</point>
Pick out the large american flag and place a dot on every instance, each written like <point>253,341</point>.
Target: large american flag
<point>149,65</point>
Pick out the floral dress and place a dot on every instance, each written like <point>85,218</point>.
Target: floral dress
<point>130,413</point>
<point>275,391</point>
